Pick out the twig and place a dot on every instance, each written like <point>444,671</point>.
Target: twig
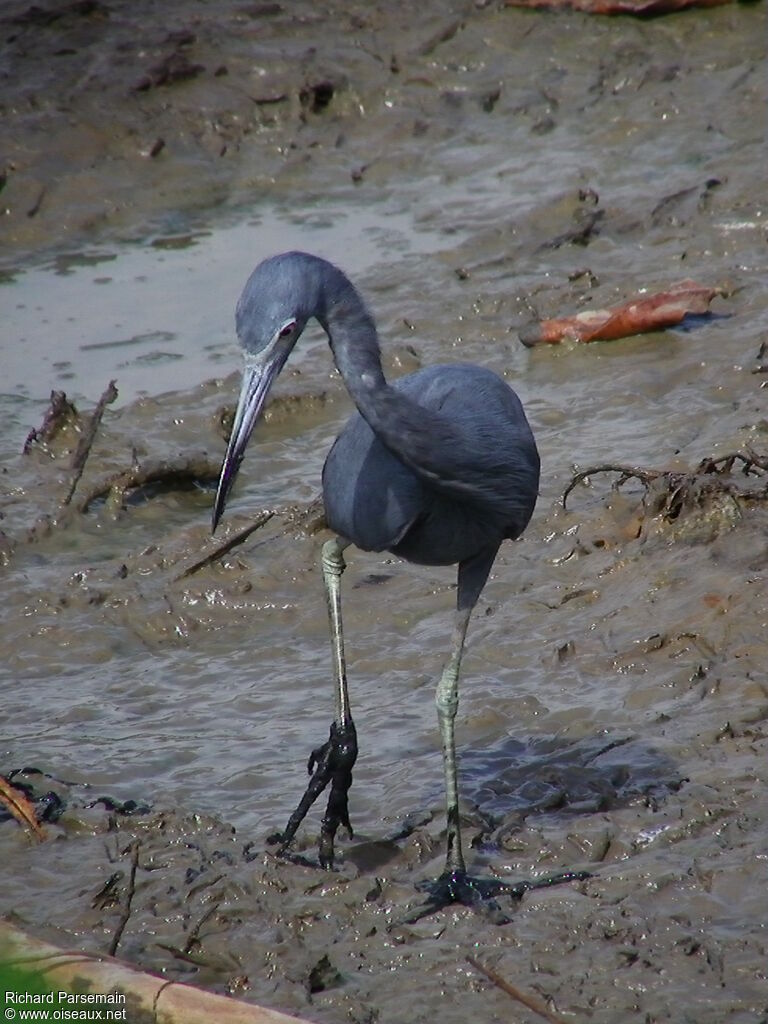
<point>225,546</point>
<point>128,900</point>
<point>581,234</point>
<point>85,444</point>
<point>750,463</point>
<point>179,954</point>
<point>202,886</point>
<point>681,484</point>
<point>310,518</point>
<point>646,476</point>
<point>35,207</point>
<point>193,939</point>
<point>532,1002</point>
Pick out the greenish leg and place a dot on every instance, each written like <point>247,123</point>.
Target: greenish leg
<point>447,701</point>
<point>333,761</point>
<point>333,566</point>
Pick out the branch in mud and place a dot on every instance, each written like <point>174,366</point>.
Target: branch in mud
<point>751,464</point>
<point>60,414</point>
<point>310,518</point>
<point>175,472</point>
<point>85,444</point>
<point>128,899</point>
<point>645,476</point>
<point>193,939</point>
<point>674,491</point>
<point>538,1006</point>
<point>226,545</point>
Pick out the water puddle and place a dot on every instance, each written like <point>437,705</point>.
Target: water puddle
<point>126,312</point>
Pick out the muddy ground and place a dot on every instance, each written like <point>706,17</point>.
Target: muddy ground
<point>613,714</point>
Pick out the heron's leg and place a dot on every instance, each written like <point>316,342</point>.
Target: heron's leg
<point>333,566</point>
<point>447,701</point>
<point>473,573</point>
<point>454,885</point>
<point>337,757</point>
<point>332,762</point>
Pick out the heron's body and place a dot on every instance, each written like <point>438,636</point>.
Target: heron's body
<point>380,504</point>
<point>439,468</point>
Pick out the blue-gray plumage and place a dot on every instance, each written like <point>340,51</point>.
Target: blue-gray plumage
<point>471,477</point>
<point>438,468</point>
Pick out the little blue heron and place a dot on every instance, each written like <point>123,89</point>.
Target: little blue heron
<point>438,468</point>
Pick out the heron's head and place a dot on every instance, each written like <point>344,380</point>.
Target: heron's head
<point>281,295</point>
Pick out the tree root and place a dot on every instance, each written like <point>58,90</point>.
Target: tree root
<point>179,471</point>
<point>668,493</point>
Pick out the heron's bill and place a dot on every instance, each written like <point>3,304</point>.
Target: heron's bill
<point>258,377</point>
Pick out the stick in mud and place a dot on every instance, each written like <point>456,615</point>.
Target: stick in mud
<point>85,444</point>
<point>310,518</point>
<point>226,546</point>
<point>532,1002</point>
<point>194,936</point>
<point>128,900</point>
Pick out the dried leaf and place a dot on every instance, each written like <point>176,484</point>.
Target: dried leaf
<point>640,8</point>
<point>641,314</point>
<point>20,808</point>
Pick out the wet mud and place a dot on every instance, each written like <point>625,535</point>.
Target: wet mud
<point>162,689</point>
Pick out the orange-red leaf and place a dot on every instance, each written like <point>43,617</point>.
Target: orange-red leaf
<point>640,8</point>
<point>641,314</point>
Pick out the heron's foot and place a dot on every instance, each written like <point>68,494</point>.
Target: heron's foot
<point>479,894</point>
<point>335,759</point>
<point>330,763</point>
<point>454,887</point>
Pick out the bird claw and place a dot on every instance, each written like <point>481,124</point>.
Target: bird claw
<point>319,754</point>
<point>454,887</point>
<point>478,894</point>
<point>332,762</point>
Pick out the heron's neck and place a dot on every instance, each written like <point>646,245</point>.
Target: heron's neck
<point>355,346</point>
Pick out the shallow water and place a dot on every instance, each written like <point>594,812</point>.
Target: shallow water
<point>614,692</point>
<point>124,311</point>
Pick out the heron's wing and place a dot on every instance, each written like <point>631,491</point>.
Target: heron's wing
<point>371,497</point>
<point>464,433</point>
<point>451,468</point>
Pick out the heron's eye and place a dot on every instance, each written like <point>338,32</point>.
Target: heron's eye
<point>288,329</point>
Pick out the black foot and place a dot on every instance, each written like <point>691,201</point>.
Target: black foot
<point>332,762</point>
<point>479,894</point>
